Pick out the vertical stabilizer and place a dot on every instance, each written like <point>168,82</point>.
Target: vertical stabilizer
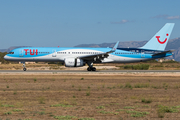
<point>160,39</point>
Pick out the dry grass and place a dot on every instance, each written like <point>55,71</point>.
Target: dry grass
<point>101,97</point>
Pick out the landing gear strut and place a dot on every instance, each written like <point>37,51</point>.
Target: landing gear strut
<point>24,66</point>
<point>91,68</point>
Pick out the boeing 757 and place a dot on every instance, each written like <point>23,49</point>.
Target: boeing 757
<point>78,57</point>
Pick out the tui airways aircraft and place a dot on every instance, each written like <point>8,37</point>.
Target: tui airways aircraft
<point>77,57</point>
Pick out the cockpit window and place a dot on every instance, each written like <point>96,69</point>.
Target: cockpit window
<point>11,53</point>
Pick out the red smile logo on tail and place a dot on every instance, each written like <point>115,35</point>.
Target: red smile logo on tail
<point>162,41</point>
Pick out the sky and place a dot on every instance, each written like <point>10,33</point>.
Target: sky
<point>67,23</point>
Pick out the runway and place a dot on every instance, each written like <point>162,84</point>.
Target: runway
<point>84,71</point>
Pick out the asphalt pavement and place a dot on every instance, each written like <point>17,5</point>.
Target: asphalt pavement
<point>84,71</point>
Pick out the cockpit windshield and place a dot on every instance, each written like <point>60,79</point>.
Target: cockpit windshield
<point>11,53</point>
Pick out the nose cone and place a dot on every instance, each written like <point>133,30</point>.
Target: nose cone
<point>6,57</point>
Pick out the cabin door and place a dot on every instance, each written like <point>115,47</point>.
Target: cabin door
<point>21,53</point>
<point>54,53</point>
<point>142,54</point>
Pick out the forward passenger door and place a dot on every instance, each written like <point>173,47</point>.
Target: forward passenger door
<point>54,53</point>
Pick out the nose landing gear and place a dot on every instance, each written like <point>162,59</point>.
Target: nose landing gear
<point>24,69</point>
<point>24,66</point>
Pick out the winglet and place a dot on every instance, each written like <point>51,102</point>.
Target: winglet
<point>116,45</point>
<point>114,48</point>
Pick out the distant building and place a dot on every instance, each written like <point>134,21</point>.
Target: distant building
<point>163,60</point>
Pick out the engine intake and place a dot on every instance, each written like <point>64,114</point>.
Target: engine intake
<point>74,62</point>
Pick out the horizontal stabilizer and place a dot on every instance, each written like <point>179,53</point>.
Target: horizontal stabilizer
<point>163,52</point>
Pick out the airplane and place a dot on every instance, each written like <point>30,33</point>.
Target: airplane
<point>78,57</point>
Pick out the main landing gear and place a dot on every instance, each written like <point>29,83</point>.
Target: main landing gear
<point>24,66</point>
<point>91,68</point>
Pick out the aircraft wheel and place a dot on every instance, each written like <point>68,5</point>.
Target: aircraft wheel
<point>24,69</point>
<point>88,69</point>
<point>93,69</point>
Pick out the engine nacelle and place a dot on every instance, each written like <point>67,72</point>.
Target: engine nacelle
<point>74,62</point>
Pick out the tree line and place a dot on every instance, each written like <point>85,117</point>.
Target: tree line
<point>2,60</point>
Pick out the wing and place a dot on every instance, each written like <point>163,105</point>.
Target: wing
<point>100,56</point>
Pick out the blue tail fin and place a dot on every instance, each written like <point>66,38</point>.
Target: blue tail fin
<point>160,39</point>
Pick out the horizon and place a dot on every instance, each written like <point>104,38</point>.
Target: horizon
<point>89,44</point>
<point>70,23</point>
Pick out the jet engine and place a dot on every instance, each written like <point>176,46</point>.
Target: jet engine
<point>74,62</point>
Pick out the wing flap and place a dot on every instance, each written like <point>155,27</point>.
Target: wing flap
<point>95,56</point>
